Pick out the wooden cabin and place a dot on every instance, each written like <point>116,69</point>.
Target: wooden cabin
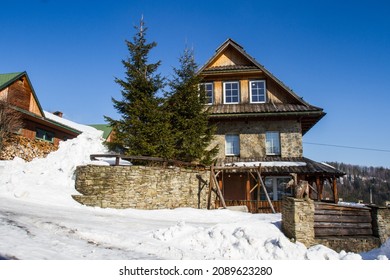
<point>17,90</point>
<point>260,122</point>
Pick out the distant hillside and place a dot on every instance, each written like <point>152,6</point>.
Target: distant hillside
<point>355,185</point>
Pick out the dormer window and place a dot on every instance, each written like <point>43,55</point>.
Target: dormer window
<point>257,91</point>
<point>231,92</point>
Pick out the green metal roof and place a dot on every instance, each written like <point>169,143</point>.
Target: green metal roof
<point>6,79</point>
<point>103,127</point>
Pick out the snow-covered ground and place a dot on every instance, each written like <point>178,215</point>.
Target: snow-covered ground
<point>40,220</point>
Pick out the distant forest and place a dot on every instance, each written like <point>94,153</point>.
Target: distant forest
<point>358,181</point>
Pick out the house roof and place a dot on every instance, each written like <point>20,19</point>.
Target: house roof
<point>285,166</point>
<point>309,115</point>
<point>103,127</point>
<point>8,78</point>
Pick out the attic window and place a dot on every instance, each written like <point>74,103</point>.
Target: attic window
<point>257,91</point>
<point>231,92</point>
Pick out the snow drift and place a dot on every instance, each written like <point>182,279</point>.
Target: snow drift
<point>40,220</point>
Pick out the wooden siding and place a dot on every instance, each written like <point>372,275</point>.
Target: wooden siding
<point>336,220</point>
<point>230,57</point>
<point>20,95</point>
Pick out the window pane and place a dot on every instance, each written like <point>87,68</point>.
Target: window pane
<point>258,91</point>
<point>232,145</point>
<point>231,92</point>
<point>272,143</point>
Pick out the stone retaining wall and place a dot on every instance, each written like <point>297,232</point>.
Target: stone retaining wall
<point>141,187</point>
<point>298,224</point>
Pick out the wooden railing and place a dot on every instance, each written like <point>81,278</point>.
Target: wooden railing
<point>255,206</point>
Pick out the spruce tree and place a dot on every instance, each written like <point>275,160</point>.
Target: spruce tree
<point>144,128</point>
<point>188,113</point>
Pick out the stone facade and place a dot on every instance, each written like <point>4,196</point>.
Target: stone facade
<point>298,224</point>
<point>252,137</point>
<point>141,187</point>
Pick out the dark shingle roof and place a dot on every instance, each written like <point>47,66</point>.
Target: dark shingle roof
<point>261,108</point>
<point>304,166</point>
<point>230,68</point>
<point>307,114</point>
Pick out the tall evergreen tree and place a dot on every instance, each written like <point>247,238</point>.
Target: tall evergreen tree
<point>144,128</point>
<point>189,116</point>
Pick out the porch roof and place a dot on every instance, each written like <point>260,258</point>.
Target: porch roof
<point>278,166</point>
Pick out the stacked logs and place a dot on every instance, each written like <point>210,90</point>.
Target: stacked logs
<point>25,148</point>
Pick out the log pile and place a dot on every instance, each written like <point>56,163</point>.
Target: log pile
<point>25,148</point>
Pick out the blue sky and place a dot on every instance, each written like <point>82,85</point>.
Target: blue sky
<point>335,54</point>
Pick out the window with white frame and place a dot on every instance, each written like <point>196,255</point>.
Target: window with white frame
<point>257,91</point>
<point>232,145</point>
<point>209,92</point>
<point>231,92</point>
<point>272,143</point>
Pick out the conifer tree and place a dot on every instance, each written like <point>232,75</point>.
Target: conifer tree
<point>188,113</point>
<point>144,128</point>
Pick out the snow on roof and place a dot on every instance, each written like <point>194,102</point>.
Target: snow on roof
<point>269,163</point>
<point>71,124</point>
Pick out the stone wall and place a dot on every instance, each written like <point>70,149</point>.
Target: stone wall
<point>298,224</point>
<point>252,137</point>
<point>298,220</point>
<point>381,222</point>
<point>141,187</point>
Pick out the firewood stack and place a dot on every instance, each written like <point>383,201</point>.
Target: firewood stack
<point>27,149</point>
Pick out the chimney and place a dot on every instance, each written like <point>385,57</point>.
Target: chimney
<point>58,114</point>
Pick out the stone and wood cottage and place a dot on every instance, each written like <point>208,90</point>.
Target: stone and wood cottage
<point>260,121</point>
<point>16,89</point>
<point>260,124</point>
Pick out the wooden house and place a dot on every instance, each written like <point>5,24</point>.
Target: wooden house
<point>260,122</point>
<point>17,90</point>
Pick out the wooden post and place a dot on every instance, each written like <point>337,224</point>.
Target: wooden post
<point>265,190</point>
<point>211,182</point>
<point>320,187</point>
<point>335,191</point>
<point>248,193</point>
<point>219,191</point>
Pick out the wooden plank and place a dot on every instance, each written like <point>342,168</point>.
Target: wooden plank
<point>321,232</point>
<point>343,219</point>
<point>342,225</point>
<point>343,213</point>
<point>330,206</point>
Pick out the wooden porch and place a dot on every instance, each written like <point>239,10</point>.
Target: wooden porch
<point>257,206</point>
<point>247,185</point>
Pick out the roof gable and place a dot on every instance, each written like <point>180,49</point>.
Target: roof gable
<point>230,56</point>
<point>8,79</point>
